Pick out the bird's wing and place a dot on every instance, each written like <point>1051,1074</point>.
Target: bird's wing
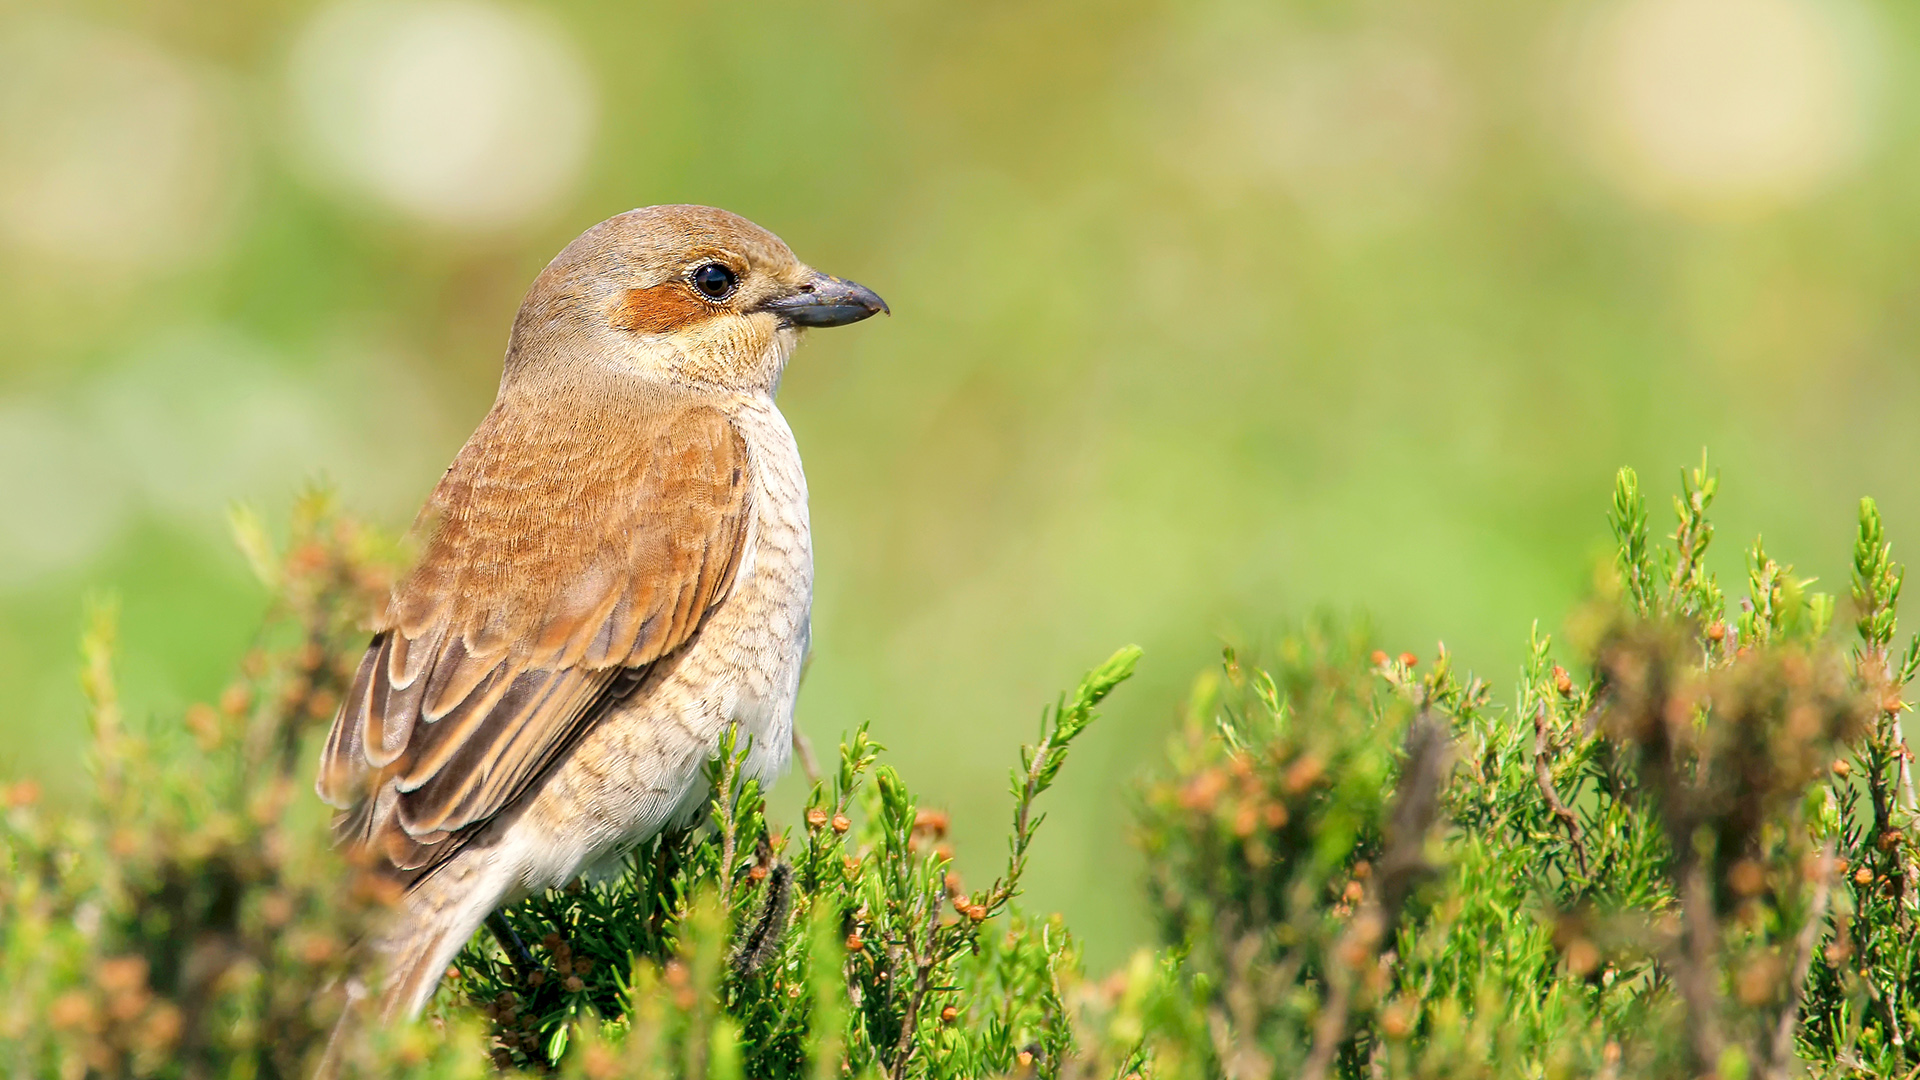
<point>562,556</point>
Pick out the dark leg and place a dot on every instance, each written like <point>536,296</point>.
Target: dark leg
<point>510,942</point>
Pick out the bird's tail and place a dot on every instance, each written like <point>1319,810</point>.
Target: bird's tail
<point>439,914</point>
<point>431,925</point>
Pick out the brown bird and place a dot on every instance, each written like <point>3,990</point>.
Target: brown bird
<point>616,568</point>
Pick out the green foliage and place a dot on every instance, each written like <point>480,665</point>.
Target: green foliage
<point>750,934</point>
<point>190,921</point>
<point>1684,847</point>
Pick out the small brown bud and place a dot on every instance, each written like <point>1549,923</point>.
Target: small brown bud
<point>933,821</point>
<point>1841,769</point>
<point>163,1026</point>
<point>1354,892</point>
<point>204,723</point>
<point>854,944</point>
<point>816,818</point>
<point>1863,876</point>
<point>120,974</point>
<point>1562,682</point>
<point>1716,631</point>
<point>235,699</point>
<point>1396,1020</point>
<point>1302,774</point>
<point>551,941</point>
<point>1379,658</point>
<point>1026,1058</point>
<point>70,1010</point>
<point>276,909</point>
<point>1409,659</point>
<point>841,824</point>
<point>1582,957</point>
<point>322,704</point>
<point>1245,819</point>
<point>536,978</point>
<point>757,873</point>
<point>574,984</point>
<point>1747,878</point>
<point>948,1014</point>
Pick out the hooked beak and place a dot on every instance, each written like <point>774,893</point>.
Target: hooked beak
<point>824,300</point>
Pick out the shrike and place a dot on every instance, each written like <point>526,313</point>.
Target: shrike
<point>616,567</point>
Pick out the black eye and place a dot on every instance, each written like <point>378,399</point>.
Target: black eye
<point>714,281</point>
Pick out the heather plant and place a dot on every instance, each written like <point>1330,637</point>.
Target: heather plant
<point>1680,846</point>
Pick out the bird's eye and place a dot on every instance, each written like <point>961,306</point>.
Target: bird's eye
<point>714,281</point>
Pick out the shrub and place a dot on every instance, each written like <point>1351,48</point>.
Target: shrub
<point>1683,848</point>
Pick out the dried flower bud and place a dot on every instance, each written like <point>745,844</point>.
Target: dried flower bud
<point>1379,658</point>
<point>1244,820</point>
<point>841,824</point>
<point>72,1009</point>
<point>235,699</point>
<point>854,944</point>
<point>1863,876</point>
<point>1302,774</point>
<point>1409,659</point>
<point>1562,682</point>
<point>1841,769</point>
<point>948,1014</point>
<point>816,818</point>
<point>757,873</point>
<point>1396,1020</point>
<point>574,984</point>
<point>933,821</point>
<point>1716,631</point>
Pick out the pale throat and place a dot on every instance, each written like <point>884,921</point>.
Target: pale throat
<point>725,356</point>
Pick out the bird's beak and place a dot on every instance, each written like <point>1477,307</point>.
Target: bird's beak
<point>824,300</point>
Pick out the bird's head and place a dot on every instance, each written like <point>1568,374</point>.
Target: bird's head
<point>684,294</point>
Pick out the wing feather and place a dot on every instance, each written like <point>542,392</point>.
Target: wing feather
<point>561,557</point>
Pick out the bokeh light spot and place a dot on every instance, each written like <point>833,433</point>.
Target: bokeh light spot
<point>456,112</point>
<point>113,153</point>
<point>1726,107</point>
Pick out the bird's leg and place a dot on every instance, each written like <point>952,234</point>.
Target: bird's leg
<point>510,943</point>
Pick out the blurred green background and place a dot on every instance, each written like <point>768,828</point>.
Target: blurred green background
<point>1206,315</point>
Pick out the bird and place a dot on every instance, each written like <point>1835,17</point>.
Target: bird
<point>615,570</point>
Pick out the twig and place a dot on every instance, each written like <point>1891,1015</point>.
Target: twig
<point>923,960</point>
<point>803,750</point>
<point>1782,1052</point>
<point>1416,802</point>
<point>1543,776</point>
<point>1693,969</point>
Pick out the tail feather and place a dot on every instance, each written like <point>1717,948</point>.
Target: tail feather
<point>438,917</point>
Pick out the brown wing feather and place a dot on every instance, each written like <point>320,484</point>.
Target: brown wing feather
<point>562,555</point>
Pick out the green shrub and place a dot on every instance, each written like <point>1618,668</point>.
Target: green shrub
<point>1682,848</point>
